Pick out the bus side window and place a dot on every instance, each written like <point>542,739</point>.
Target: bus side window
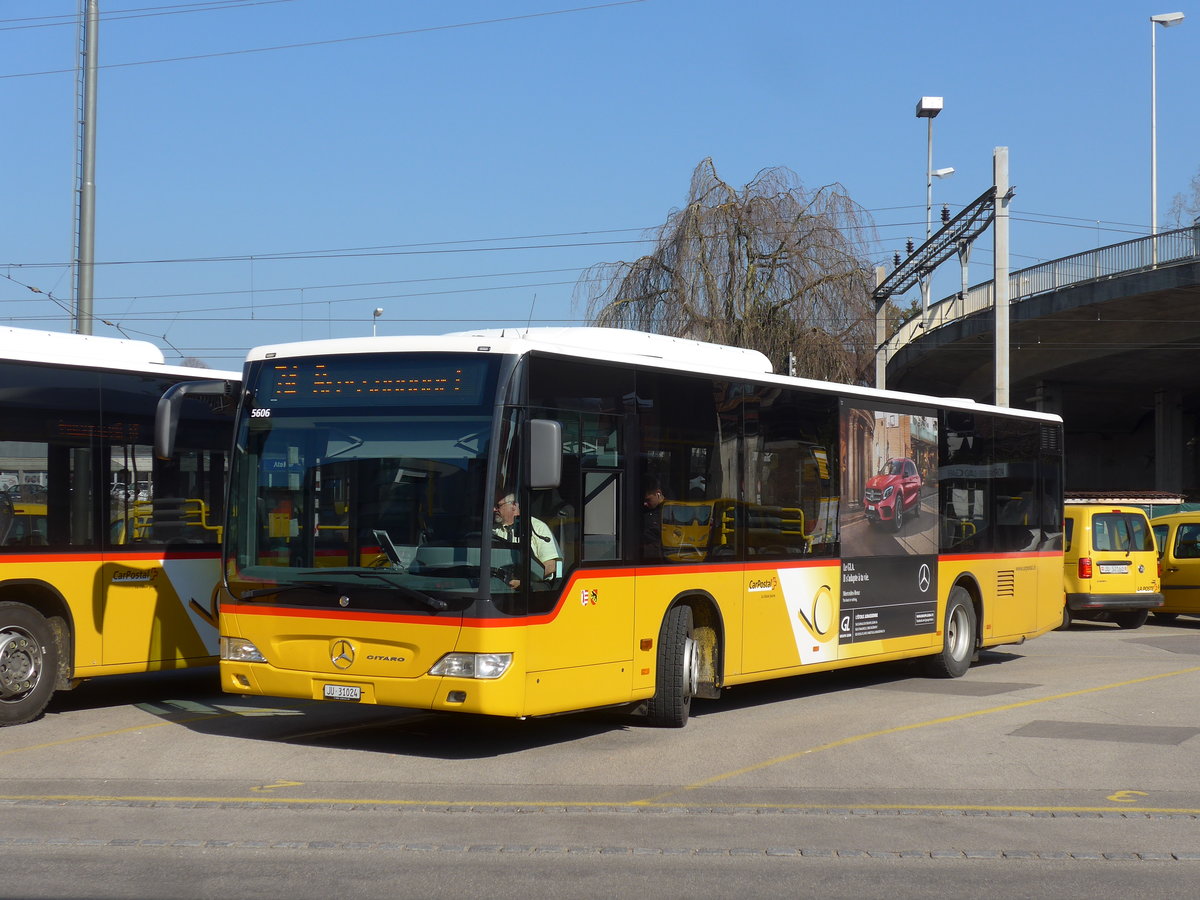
<point>600,493</point>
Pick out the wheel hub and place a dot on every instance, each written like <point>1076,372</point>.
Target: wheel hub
<point>691,666</point>
<point>20,663</point>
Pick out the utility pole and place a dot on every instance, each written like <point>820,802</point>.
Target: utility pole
<point>881,309</point>
<point>85,231</point>
<point>1000,277</point>
<point>950,239</point>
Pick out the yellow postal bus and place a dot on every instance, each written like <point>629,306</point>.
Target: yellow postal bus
<point>109,561</point>
<point>700,521</point>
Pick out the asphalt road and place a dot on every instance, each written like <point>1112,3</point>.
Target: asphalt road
<point>1069,765</point>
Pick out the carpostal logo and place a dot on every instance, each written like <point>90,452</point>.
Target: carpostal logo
<point>134,576</point>
<point>762,584</point>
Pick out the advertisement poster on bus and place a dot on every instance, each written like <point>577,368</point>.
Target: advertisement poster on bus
<point>888,522</point>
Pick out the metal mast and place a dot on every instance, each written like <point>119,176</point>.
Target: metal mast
<point>85,192</point>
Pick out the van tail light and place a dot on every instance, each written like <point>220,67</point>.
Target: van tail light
<point>1085,567</point>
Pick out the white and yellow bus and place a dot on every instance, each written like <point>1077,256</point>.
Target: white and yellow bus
<point>688,521</point>
<point>109,560</point>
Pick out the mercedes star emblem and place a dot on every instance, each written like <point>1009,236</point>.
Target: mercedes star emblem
<point>342,654</point>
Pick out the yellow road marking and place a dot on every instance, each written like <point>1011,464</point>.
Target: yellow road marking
<point>278,784</point>
<point>101,734</point>
<point>580,804</point>
<point>657,801</point>
<point>1126,796</point>
<point>899,729</point>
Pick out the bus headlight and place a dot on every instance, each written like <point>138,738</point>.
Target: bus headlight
<point>472,665</point>
<point>240,650</point>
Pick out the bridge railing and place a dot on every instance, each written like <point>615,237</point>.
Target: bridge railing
<point>1139,254</point>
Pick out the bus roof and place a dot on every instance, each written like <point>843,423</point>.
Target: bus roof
<point>91,351</point>
<point>614,345</point>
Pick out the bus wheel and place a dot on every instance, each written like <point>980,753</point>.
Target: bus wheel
<point>958,637</point>
<point>28,663</point>
<point>678,671</point>
<point>1131,618</point>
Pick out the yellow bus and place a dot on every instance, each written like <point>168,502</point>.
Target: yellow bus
<point>685,521</point>
<point>109,560</point>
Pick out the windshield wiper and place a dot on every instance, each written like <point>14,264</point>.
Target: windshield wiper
<point>411,593</point>
<point>333,588</point>
<point>292,586</point>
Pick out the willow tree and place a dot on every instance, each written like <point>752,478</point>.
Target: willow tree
<point>1185,207</point>
<point>773,267</point>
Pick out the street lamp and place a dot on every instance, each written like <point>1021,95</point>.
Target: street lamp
<point>1166,20</point>
<point>928,108</point>
<point>375,318</point>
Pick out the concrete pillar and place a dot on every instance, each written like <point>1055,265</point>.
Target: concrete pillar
<point>1168,440</point>
<point>1049,397</point>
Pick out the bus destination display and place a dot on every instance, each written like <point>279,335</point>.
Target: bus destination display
<point>340,380</point>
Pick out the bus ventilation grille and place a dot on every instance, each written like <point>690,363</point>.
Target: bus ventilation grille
<point>1052,438</point>
<point>1006,583</point>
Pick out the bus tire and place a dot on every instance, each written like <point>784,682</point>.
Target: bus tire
<point>678,670</point>
<point>958,637</point>
<point>1131,618</point>
<point>28,663</point>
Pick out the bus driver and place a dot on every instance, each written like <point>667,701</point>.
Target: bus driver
<point>545,548</point>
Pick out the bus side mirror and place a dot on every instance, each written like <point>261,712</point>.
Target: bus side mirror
<point>544,438</point>
<point>166,417</point>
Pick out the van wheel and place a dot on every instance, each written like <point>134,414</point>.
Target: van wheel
<point>1165,617</point>
<point>28,663</point>
<point>958,637</point>
<point>1066,622</point>
<point>1131,618</point>
<point>678,671</point>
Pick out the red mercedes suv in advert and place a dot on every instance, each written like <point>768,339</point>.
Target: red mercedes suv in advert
<point>893,493</point>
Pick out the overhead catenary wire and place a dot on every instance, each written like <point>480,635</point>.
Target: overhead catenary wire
<point>446,247</point>
<point>330,41</point>
<point>145,12</point>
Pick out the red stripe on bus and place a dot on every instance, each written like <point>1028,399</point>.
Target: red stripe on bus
<point>108,556</point>
<point>255,609</point>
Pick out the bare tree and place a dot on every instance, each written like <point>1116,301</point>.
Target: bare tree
<point>194,362</point>
<point>1186,207</point>
<point>773,267</point>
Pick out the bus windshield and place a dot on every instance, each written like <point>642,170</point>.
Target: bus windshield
<point>364,472</point>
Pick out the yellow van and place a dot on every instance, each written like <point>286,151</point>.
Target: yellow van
<point>1110,565</point>
<point>1178,538</point>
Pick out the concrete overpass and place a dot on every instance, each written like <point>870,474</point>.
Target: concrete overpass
<point>1109,339</point>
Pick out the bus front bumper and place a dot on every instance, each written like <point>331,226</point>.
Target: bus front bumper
<point>498,697</point>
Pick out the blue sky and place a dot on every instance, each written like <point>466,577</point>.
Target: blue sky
<point>460,163</point>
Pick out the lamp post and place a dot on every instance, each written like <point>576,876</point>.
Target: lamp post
<point>928,108</point>
<point>1166,20</point>
<point>375,318</point>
